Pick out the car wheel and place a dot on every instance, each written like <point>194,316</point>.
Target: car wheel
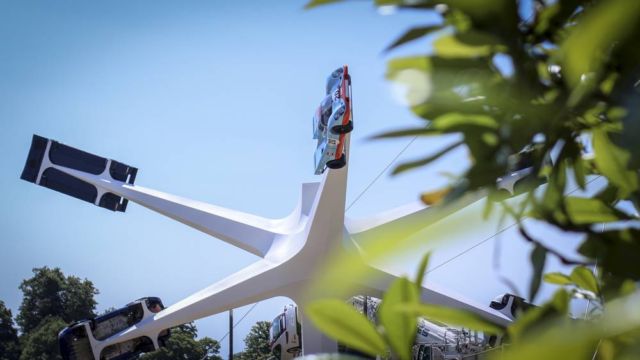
<point>337,163</point>
<point>343,129</point>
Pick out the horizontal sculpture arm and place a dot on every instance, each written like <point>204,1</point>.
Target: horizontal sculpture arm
<point>404,221</point>
<point>249,232</point>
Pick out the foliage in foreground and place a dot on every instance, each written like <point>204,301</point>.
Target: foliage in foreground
<point>559,79</point>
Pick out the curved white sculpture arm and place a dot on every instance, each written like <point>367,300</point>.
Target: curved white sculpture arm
<point>249,232</point>
<point>405,220</point>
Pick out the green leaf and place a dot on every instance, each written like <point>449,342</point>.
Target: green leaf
<point>394,66</point>
<point>587,211</point>
<point>422,270</point>
<point>327,357</point>
<point>587,48</point>
<point>422,162</point>
<point>531,320</point>
<point>617,251</point>
<point>470,44</point>
<point>538,258</point>
<point>343,323</point>
<point>557,278</point>
<point>585,279</point>
<point>561,338</point>
<point>432,85</point>
<point>400,328</point>
<point>456,122</point>
<point>407,132</point>
<point>612,162</point>
<point>314,3</point>
<point>413,34</point>
<point>580,172</point>
<point>451,316</point>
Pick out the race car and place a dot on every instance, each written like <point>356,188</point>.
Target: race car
<point>332,121</point>
<point>520,176</point>
<point>83,339</point>
<point>510,305</point>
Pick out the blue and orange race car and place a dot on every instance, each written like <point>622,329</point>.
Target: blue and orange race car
<point>332,121</point>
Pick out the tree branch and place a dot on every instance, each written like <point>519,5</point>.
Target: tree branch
<point>561,257</point>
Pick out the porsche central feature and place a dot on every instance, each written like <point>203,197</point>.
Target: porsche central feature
<point>332,121</point>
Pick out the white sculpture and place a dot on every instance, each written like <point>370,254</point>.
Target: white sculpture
<point>291,250</point>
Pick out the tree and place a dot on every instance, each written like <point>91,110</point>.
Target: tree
<point>257,342</point>
<point>49,293</point>
<point>183,345</point>
<point>559,80</point>
<point>41,343</point>
<point>9,345</point>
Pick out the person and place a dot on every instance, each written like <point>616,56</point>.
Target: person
<point>155,308</point>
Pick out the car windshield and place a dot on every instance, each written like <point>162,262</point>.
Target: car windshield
<point>276,329</point>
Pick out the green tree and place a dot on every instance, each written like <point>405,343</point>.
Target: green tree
<point>9,345</point>
<point>559,80</point>
<point>49,293</point>
<point>183,345</point>
<point>257,342</point>
<point>41,343</point>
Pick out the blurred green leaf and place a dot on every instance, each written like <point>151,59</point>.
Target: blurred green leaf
<point>451,316</point>
<point>400,328</point>
<point>585,279</point>
<point>534,318</point>
<point>434,86</point>
<point>617,251</point>
<point>394,66</point>
<point>314,3</point>
<point>435,197</point>
<point>580,173</point>
<point>557,278</point>
<point>413,34</point>
<point>343,323</point>
<point>456,122</point>
<point>538,258</point>
<point>612,162</point>
<point>426,131</point>
<point>467,45</point>
<point>561,338</point>
<point>589,44</point>
<point>422,162</point>
<point>326,357</point>
<point>586,211</point>
<point>422,270</point>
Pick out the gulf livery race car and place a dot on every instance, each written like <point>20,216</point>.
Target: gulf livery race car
<point>83,340</point>
<point>332,121</point>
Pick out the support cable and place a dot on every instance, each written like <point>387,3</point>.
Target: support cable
<point>381,172</point>
<point>238,322</point>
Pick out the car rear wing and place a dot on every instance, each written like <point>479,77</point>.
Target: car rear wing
<point>46,165</point>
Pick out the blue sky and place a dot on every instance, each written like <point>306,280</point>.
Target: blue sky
<point>211,100</point>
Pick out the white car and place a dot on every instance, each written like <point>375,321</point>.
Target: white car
<point>83,339</point>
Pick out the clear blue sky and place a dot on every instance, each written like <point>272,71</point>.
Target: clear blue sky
<point>210,100</point>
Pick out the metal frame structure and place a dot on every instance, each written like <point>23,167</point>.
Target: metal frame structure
<point>291,249</point>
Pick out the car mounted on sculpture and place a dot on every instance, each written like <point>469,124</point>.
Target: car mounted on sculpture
<point>520,176</point>
<point>48,163</point>
<point>332,121</point>
<point>510,305</point>
<point>81,340</point>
